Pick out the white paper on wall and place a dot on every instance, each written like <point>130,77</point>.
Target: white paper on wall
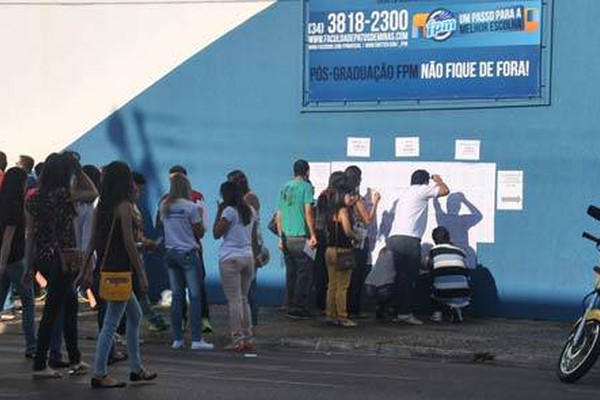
<point>468,212</point>
<point>407,146</point>
<point>510,190</point>
<point>358,147</point>
<point>467,150</point>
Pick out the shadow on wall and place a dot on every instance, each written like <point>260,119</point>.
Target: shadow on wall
<point>485,300</point>
<point>387,219</point>
<point>141,160</point>
<point>459,224</point>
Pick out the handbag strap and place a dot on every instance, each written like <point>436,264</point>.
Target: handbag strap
<point>108,240</point>
<point>337,238</point>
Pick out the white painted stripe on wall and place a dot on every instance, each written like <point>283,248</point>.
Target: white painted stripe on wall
<point>67,67</point>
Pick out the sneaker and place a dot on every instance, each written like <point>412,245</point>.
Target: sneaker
<point>8,316</point>
<point>142,375</point>
<point>81,299</point>
<point>157,328</point>
<point>118,339</point>
<point>177,344</point>
<point>42,296</point>
<point>437,317</point>
<point>202,345</point>
<point>347,323</point>
<point>80,368</point>
<point>47,373</point>
<point>299,315</point>
<point>206,326</point>
<point>409,319</point>
<point>457,316</point>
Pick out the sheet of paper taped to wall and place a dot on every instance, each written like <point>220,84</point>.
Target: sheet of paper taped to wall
<point>468,212</point>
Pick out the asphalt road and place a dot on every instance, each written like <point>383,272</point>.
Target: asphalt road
<point>292,375</point>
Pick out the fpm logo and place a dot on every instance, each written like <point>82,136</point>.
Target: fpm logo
<point>438,25</point>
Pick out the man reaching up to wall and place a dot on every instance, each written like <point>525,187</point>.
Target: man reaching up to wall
<point>404,241</point>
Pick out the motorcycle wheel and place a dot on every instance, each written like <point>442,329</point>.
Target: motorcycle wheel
<point>576,359</point>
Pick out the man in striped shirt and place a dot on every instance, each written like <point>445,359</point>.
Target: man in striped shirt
<point>450,287</point>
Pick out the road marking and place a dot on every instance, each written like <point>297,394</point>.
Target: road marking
<point>225,377</point>
<point>351,374</point>
<point>317,361</point>
<point>283,369</point>
<point>275,381</point>
<point>19,395</point>
<point>244,364</point>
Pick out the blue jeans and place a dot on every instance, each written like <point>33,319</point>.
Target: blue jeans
<point>112,318</point>
<point>183,268</point>
<point>407,261</point>
<point>13,275</point>
<point>8,303</point>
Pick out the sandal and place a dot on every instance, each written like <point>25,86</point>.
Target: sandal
<point>347,323</point>
<point>106,382</point>
<point>142,375</point>
<point>47,373</point>
<point>78,369</point>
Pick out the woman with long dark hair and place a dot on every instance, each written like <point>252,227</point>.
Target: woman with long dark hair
<point>239,178</point>
<point>341,237</point>
<point>331,194</point>
<point>361,217</point>
<point>12,252</point>
<point>236,224</point>
<point>51,248</point>
<point>113,240</point>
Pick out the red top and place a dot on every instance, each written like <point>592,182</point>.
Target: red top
<point>30,192</point>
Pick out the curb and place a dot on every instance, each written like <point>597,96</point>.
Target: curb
<point>319,345</point>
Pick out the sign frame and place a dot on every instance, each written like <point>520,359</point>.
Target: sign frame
<point>418,104</point>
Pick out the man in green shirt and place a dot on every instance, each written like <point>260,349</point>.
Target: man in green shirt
<point>296,230</point>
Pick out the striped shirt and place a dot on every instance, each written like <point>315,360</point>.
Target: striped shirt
<point>450,275</point>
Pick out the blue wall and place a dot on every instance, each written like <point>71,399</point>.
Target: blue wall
<point>237,105</point>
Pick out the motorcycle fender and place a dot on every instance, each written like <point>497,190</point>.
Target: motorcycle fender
<point>593,315</point>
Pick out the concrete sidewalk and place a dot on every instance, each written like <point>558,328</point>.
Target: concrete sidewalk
<point>524,343</point>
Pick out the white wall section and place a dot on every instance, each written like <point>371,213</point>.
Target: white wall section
<point>67,65</point>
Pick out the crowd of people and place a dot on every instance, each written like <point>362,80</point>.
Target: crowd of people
<point>72,230</point>
<point>336,228</point>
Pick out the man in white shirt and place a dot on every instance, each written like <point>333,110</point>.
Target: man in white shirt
<point>404,241</point>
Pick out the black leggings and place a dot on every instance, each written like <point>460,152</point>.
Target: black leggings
<point>61,297</point>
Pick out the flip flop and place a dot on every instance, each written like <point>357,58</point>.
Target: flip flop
<point>107,382</point>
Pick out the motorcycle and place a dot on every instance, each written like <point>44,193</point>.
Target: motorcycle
<point>582,348</point>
